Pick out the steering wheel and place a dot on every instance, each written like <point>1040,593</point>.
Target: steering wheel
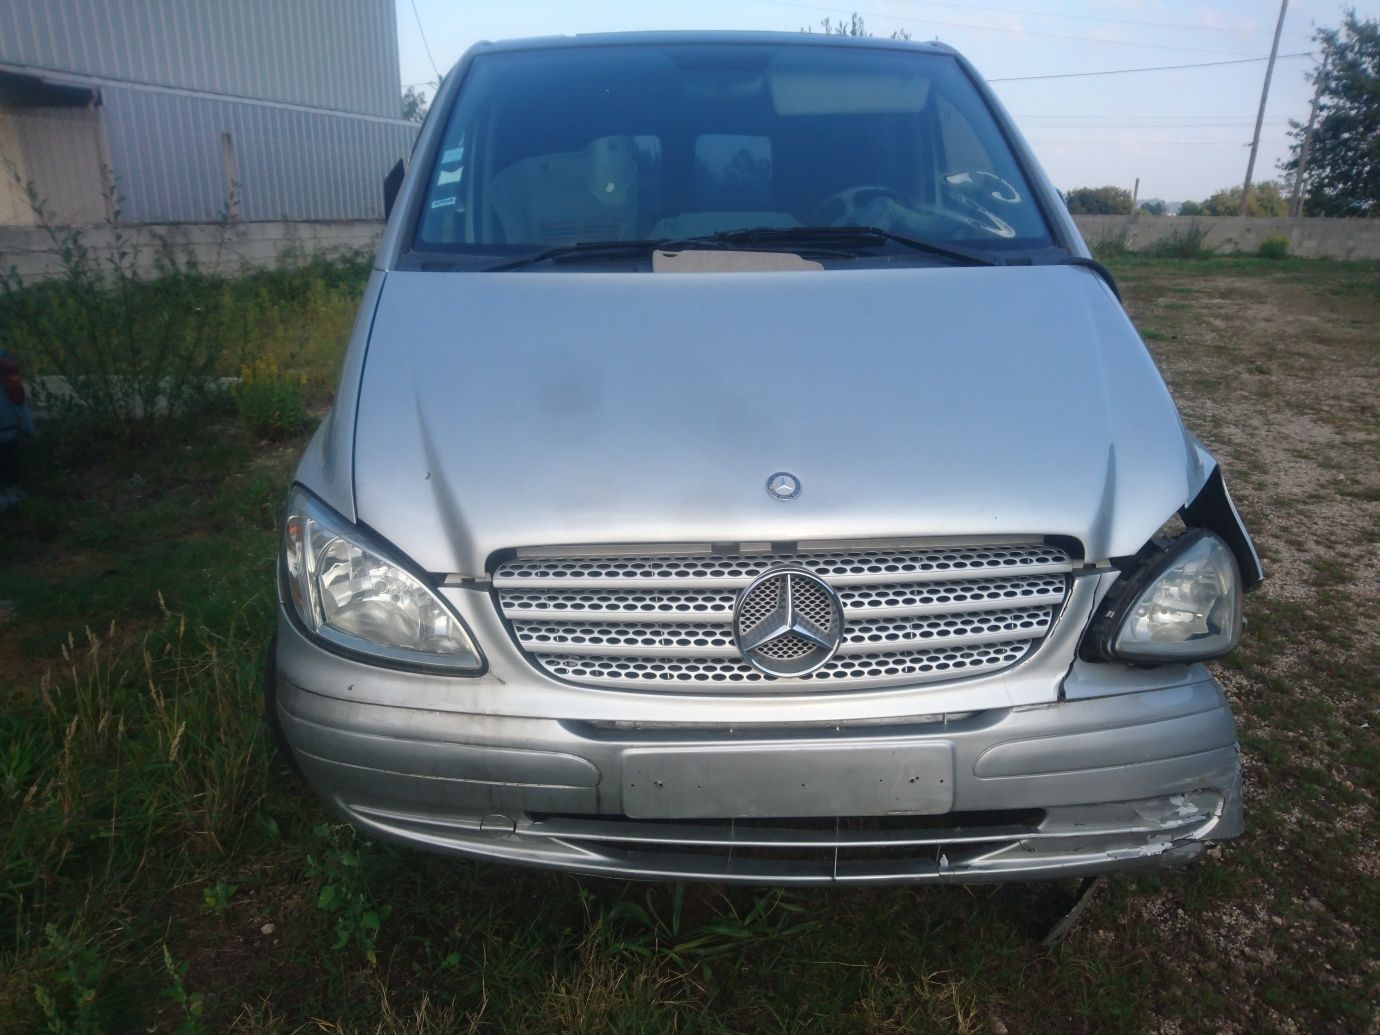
<point>989,185</point>
<point>848,202</point>
<point>854,201</point>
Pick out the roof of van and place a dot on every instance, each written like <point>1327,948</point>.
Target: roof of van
<point>716,38</point>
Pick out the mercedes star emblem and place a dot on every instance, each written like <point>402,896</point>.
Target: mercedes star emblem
<point>783,486</point>
<point>788,622</point>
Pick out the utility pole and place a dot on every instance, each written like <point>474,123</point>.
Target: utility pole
<point>1260,116</point>
<point>1296,202</point>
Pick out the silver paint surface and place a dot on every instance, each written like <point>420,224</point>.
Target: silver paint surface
<point>483,413</point>
<point>513,409</point>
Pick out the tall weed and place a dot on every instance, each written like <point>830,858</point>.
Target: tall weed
<point>131,337</point>
<point>1188,243</point>
<point>140,756</point>
<point>272,403</point>
<point>135,338</point>
<point>298,315</point>
<point>140,766</point>
<point>650,931</point>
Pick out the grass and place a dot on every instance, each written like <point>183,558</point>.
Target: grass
<point>160,869</point>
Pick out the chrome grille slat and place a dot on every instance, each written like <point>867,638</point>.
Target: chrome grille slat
<point>885,601</point>
<point>620,605</point>
<point>870,634</point>
<point>848,648</point>
<point>617,617</point>
<point>706,673</point>
<point>641,620</point>
<point>827,565</point>
<point>656,582</point>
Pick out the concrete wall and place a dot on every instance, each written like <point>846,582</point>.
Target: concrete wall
<point>1310,237</point>
<point>31,251</point>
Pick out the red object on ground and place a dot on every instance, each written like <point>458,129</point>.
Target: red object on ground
<point>11,379</point>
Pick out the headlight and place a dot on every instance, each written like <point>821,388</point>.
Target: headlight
<point>1184,605</point>
<point>347,591</point>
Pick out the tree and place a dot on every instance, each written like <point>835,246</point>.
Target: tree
<point>1190,208</point>
<point>414,104</point>
<point>855,26</point>
<point>1154,207</point>
<point>1099,201</point>
<point>1342,176</point>
<point>1266,200</point>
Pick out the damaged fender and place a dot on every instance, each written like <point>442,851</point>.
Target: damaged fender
<point>1213,509</point>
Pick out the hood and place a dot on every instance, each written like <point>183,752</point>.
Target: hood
<point>539,408</point>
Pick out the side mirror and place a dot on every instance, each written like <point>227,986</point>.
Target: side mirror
<point>392,183</point>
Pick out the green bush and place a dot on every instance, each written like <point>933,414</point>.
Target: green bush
<point>273,404</point>
<point>1276,246</point>
<point>134,333</point>
<point>1188,243</point>
<point>1110,248</point>
<point>136,336</point>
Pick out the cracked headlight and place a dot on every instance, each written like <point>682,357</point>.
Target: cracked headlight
<point>350,592</point>
<point>1183,605</point>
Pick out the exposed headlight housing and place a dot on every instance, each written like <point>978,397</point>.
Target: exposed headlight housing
<point>1182,604</point>
<point>351,592</point>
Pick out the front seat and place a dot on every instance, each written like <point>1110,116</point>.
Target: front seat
<point>573,196</point>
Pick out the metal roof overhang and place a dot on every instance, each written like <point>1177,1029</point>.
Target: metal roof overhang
<point>37,91</point>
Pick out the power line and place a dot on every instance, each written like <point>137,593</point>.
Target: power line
<point>1238,118</point>
<point>425,45</point>
<point>994,28</point>
<point>1154,68</point>
<point>1099,18</point>
<point>1148,126</point>
<point>1093,123</point>
<point>1141,144</point>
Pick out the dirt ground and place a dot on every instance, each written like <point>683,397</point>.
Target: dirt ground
<point>1279,374</point>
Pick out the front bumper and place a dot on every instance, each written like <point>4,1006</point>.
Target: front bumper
<point>1104,783</point>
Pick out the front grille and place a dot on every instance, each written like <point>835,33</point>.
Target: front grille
<point>650,621</point>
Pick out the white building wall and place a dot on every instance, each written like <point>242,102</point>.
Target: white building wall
<point>307,91</point>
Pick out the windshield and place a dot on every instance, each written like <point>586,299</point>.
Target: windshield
<point>555,147</point>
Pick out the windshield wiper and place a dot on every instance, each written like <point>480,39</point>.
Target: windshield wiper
<point>844,236</point>
<point>811,240</point>
<point>824,244</point>
<point>592,249</point>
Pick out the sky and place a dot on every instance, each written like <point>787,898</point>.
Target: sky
<point>1184,133</point>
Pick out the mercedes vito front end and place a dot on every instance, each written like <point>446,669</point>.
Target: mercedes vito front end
<point>741,471</point>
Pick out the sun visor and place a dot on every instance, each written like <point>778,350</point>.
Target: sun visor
<point>854,87</point>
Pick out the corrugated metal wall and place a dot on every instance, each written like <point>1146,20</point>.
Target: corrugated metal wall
<point>289,164</point>
<point>340,54</point>
<point>307,90</point>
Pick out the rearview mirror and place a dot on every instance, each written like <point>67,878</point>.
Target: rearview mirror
<point>392,183</point>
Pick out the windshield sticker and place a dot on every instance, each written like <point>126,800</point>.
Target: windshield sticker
<point>443,202</point>
<point>454,154</point>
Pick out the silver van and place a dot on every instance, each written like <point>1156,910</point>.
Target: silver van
<point>741,471</point>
